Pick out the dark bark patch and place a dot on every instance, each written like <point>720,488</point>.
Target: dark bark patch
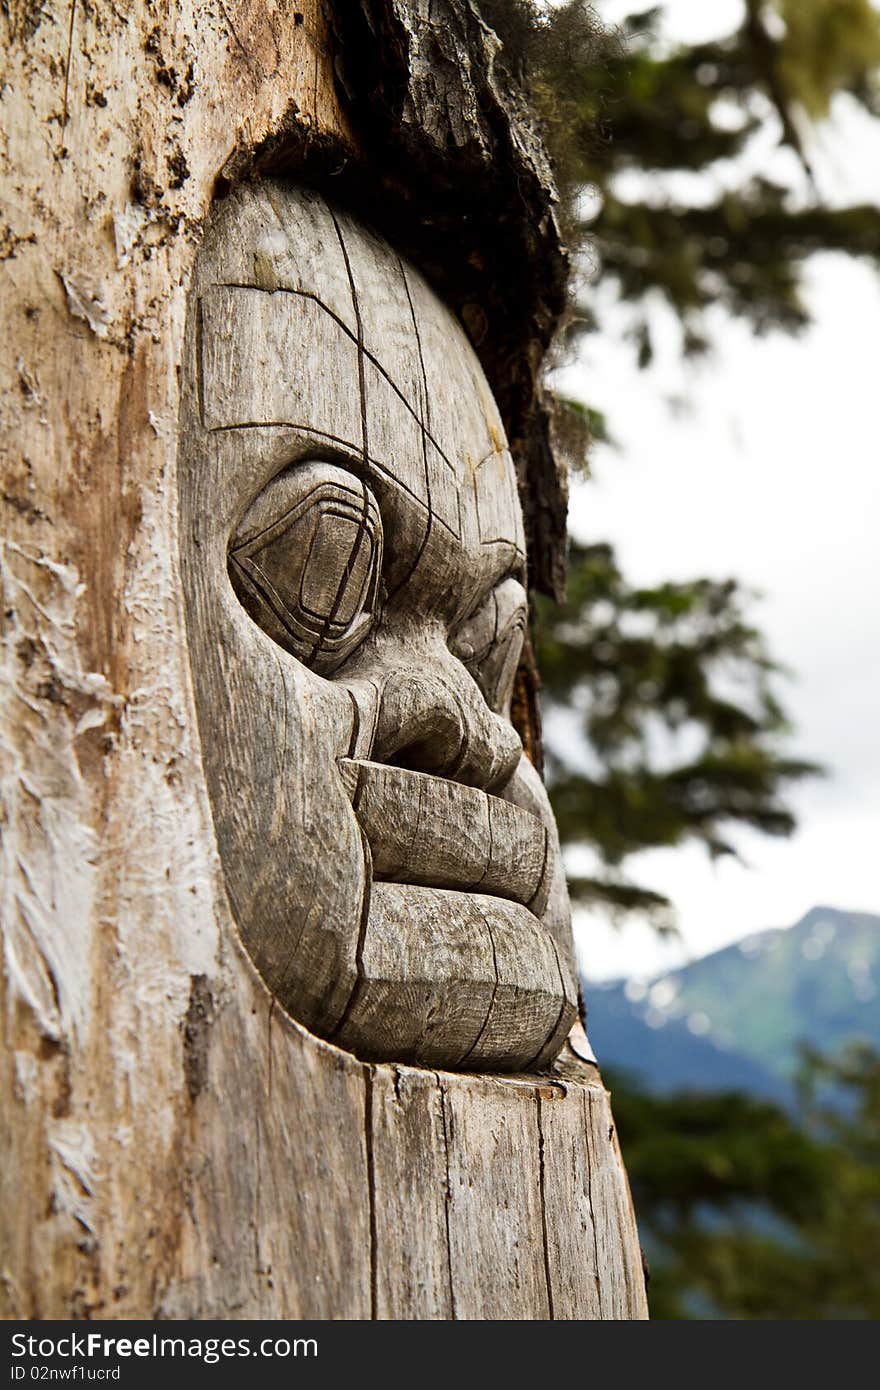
<point>196,1035</point>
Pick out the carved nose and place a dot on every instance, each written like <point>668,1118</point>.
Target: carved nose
<point>435,720</point>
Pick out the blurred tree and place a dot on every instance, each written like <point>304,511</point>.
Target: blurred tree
<point>623,102</point>
<point>672,690</point>
<point>631,120</point>
<point>748,1212</point>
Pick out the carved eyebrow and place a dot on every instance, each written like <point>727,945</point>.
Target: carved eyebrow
<point>275,520</point>
<point>489,594</point>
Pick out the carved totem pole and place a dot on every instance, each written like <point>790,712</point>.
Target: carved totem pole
<point>289,1009</point>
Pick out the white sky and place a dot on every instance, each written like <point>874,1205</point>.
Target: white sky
<point>771,475</point>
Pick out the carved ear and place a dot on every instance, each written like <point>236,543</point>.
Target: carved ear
<point>489,644</point>
<point>306,562</point>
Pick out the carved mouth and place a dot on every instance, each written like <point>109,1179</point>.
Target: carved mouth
<point>435,833</point>
<point>453,959</point>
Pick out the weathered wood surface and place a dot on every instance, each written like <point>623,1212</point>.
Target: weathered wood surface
<point>409,918</point>
<point>172,1143</point>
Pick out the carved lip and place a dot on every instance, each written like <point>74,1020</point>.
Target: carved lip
<point>437,833</point>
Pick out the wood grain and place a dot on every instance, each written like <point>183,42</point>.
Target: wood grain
<point>444,834</point>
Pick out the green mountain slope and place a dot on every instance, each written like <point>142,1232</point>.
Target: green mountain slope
<point>752,1003</point>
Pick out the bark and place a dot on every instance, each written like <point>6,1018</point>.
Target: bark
<point>173,1143</point>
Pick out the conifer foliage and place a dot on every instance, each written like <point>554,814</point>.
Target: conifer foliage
<point>673,687</point>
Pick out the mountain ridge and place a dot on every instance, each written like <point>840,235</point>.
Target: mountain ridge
<point>735,1019</point>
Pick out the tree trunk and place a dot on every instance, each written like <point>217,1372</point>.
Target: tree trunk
<point>174,1143</point>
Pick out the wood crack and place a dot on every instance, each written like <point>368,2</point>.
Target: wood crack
<point>253,64</point>
<point>475,887</point>
<point>543,1194</point>
<point>563,1006</point>
<point>68,63</point>
<point>423,423</point>
<point>545,868</point>
<point>486,1021</point>
<point>588,1158</point>
<point>362,936</point>
<point>200,369</point>
<point>365,452</point>
<point>371,1187</point>
<point>355,724</point>
<point>447,1198</point>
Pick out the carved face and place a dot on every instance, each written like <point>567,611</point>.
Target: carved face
<point>354,562</point>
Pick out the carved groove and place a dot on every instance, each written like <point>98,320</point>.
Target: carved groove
<point>369,356</point>
<point>424,430</point>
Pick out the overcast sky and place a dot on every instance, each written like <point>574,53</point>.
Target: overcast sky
<point>771,475</point>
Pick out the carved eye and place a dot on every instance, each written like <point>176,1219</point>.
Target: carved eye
<point>490,643</point>
<point>306,561</point>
